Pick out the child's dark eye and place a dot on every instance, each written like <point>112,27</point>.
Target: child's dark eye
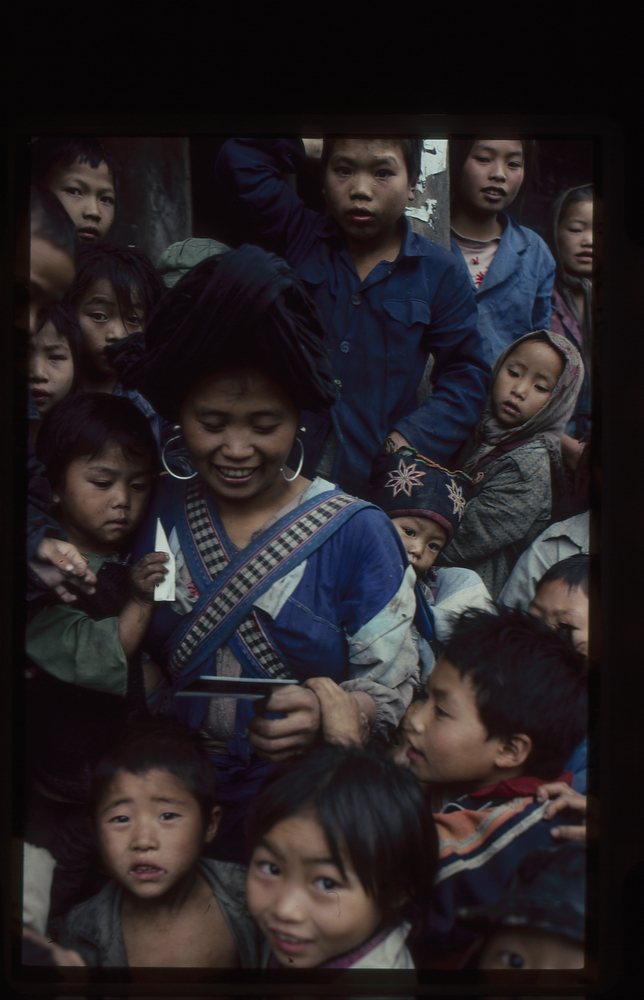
<point>269,868</point>
<point>542,388</point>
<point>342,171</point>
<point>410,532</point>
<point>328,884</point>
<point>107,199</point>
<point>169,815</point>
<point>384,173</point>
<point>140,487</point>
<point>513,373</point>
<point>213,428</point>
<point>98,317</point>
<point>119,819</point>
<point>439,712</point>
<point>72,190</point>
<point>266,430</point>
<point>101,483</point>
<point>58,357</point>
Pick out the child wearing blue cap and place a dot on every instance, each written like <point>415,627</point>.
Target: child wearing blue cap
<point>426,504</point>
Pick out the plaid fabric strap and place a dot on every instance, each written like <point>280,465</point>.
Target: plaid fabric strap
<point>248,577</point>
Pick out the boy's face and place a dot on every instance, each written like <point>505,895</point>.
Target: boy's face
<point>367,186</point>
<point>531,949</point>
<point>525,382</point>
<point>87,194</point>
<point>51,367</point>
<point>423,539</point>
<point>307,909</point>
<point>563,610</point>
<point>492,175</point>
<point>103,499</point>
<point>101,323</point>
<point>442,738</point>
<point>150,831</point>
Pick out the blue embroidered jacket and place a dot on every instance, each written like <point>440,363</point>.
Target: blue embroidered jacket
<point>379,332</point>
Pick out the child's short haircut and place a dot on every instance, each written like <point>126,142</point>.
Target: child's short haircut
<point>164,744</point>
<point>50,221</point>
<point>528,679</point>
<point>51,150</point>
<point>371,810</point>
<point>572,571</point>
<point>87,424</point>
<point>411,147</point>
<point>124,268</point>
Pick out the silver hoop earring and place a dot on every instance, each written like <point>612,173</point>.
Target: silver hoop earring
<point>299,468</point>
<point>177,427</point>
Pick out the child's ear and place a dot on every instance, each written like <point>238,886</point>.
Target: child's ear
<point>213,823</point>
<point>514,751</point>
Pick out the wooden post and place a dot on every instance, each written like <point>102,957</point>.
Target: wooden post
<point>154,206</point>
<point>429,216</point>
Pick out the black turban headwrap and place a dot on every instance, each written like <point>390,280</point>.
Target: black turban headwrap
<point>241,309</point>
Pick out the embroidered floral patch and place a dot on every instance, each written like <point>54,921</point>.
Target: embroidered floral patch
<point>456,495</point>
<point>404,478</point>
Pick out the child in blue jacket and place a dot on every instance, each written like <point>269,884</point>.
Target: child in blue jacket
<point>387,297</point>
<point>511,269</point>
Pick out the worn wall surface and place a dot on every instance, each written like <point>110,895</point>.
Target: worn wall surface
<point>429,215</point>
<point>154,205</point>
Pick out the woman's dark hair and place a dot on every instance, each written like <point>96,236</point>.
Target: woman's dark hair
<point>125,268</point>
<point>460,149</point>
<point>528,679</point>
<point>166,744</point>
<point>50,221</point>
<point>51,150</point>
<point>236,310</point>
<point>87,424</point>
<point>573,571</point>
<point>411,147</point>
<point>65,323</point>
<point>374,816</point>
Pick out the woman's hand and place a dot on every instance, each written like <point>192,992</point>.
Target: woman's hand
<point>60,565</point>
<point>564,797</point>
<point>343,721</point>
<point>278,739</point>
<point>146,574</point>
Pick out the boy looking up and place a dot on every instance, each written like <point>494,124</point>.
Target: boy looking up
<point>387,297</point>
<point>80,172</point>
<point>154,810</point>
<point>503,709</point>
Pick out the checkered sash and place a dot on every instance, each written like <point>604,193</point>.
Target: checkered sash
<point>288,542</point>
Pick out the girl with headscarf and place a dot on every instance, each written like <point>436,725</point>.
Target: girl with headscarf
<point>276,576</point>
<point>514,455</point>
<point>571,239</point>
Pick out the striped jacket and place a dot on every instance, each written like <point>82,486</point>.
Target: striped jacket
<point>482,838</point>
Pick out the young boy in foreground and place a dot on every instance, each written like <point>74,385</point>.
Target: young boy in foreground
<point>154,801</point>
<point>387,297</point>
<point>503,709</point>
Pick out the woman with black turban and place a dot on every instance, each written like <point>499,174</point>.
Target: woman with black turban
<point>276,576</point>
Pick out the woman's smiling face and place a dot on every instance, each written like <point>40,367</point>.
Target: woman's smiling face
<point>239,429</point>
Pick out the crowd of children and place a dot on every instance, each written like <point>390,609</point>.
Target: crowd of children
<point>306,662</point>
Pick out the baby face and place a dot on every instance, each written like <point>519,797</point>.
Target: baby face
<point>423,539</point>
<point>563,610</point>
<point>575,239</point>
<point>150,831</point>
<point>525,382</point>
<point>51,367</point>
<point>309,911</point>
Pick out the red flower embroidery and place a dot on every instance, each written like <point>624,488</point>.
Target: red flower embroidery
<point>478,278</point>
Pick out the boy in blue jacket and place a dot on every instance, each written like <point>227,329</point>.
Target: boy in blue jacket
<point>387,297</point>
